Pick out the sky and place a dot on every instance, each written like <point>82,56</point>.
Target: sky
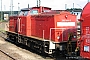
<point>54,4</point>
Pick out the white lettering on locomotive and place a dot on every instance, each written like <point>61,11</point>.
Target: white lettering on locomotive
<point>65,23</point>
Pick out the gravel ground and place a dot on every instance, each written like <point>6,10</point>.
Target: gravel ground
<point>4,26</point>
<point>4,57</point>
<point>15,51</point>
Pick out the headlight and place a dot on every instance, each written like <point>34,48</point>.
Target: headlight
<point>74,36</point>
<point>58,37</point>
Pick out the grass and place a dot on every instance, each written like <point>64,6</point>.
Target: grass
<point>3,20</point>
<point>2,30</point>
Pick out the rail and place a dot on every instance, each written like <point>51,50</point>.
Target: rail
<point>3,51</point>
<point>7,55</point>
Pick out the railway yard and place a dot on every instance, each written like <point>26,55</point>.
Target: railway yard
<point>9,51</point>
<point>40,33</point>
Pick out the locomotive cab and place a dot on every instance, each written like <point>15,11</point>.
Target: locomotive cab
<point>34,10</point>
<point>25,16</point>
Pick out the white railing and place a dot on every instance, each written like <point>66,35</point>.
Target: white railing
<point>57,29</point>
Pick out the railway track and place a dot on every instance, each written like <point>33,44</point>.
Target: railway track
<point>7,55</point>
<point>2,34</point>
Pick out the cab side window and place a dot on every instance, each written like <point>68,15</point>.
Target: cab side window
<point>26,13</point>
<point>23,13</point>
<point>46,10</point>
<point>34,12</point>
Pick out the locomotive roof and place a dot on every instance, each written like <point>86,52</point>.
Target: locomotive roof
<point>27,9</point>
<point>56,12</point>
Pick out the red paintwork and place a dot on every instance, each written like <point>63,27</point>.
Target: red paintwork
<point>85,32</point>
<point>25,25</point>
<point>39,25</point>
<point>13,24</point>
<point>46,21</point>
<point>41,8</point>
<point>68,29</point>
<point>25,22</point>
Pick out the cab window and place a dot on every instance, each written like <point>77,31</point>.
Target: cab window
<point>23,13</point>
<point>26,13</point>
<point>34,12</point>
<point>46,10</point>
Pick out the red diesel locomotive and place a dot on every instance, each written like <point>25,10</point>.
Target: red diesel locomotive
<point>44,30</point>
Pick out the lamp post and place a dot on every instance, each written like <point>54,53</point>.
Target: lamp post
<point>39,3</point>
<point>73,8</point>
<point>18,8</point>
<point>11,6</point>
<point>1,10</point>
<point>88,0</point>
<point>65,6</point>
